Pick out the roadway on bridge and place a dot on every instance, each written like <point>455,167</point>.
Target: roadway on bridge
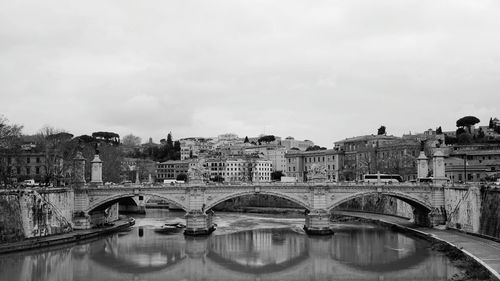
<point>487,251</point>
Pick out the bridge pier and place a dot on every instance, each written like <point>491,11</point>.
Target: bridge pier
<point>437,216</point>
<point>199,223</point>
<point>429,219</point>
<point>81,220</point>
<point>318,223</point>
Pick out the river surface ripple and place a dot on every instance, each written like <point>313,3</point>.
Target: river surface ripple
<point>244,247</point>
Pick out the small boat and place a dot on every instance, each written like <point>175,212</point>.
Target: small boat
<point>170,228</point>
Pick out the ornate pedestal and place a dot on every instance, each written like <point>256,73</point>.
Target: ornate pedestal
<point>81,221</point>
<point>198,223</point>
<point>318,223</point>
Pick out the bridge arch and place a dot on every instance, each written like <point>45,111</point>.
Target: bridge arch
<point>253,192</point>
<point>413,201</point>
<point>115,198</point>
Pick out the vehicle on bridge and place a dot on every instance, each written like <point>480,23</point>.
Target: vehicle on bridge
<point>382,178</point>
<point>29,183</point>
<point>173,181</point>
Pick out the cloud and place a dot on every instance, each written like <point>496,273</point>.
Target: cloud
<point>321,70</point>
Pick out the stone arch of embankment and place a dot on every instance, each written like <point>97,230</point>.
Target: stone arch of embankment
<point>407,198</point>
<point>232,195</point>
<point>115,198</point>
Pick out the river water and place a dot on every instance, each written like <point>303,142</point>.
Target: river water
<point>244,247</point>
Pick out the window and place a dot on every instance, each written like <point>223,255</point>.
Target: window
<point>28,160</point>
<point>37,170</point>
<point>28,170</point>
<point>38,159</point>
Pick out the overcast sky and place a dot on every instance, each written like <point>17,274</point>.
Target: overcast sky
<point>318,70</point>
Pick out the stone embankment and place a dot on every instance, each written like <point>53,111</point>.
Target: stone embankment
<point>66,238</point>
<point>29,213</point>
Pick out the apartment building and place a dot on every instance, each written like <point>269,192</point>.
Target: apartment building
<point>473,162</point>
<point>299,163</point>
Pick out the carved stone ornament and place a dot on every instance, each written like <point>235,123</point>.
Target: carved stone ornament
<point>198,172</point>
<point>317,171</point>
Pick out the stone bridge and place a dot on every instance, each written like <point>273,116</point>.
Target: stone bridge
<point>93,199</point>
<point>317,198</point>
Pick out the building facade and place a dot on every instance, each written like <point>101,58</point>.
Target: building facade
<point>473,163</point>
<point>360,155</point>
<point>26,165</point>
<point>299,163</point>
<point>290,142</point>
<point>240,169</point>
<point>170,170</point>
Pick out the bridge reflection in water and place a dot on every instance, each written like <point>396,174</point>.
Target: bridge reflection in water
<point>353,253</point>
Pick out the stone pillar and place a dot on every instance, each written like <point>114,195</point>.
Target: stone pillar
<point>81,220</point>
<point>137,180</point>
<point>96,173</point>
<point>198,223</point>
<point>318,223</point>
<point>141,205</point>
<point>150,178</point>
<point>438,168</point>
<point>423,166</point>
<point>421,217</point>
<point>79,170</point>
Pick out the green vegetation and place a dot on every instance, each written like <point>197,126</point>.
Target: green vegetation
<point>276,175</point>
<point>381,130</point>
<point>315,147</point>
<point>267,139</point>
<point>182,177</point>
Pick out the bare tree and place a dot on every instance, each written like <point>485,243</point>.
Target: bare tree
<point>9,145</point>
<point>9,134</point>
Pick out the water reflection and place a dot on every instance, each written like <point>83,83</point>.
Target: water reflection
<point>353,253</point>
<point>263,251</point>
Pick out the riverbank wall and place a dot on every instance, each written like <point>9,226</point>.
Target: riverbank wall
<point>474,210</point>
<point>27,214</point>
<point>66,238</point>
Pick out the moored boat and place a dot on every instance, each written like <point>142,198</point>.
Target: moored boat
<point>170,228</point>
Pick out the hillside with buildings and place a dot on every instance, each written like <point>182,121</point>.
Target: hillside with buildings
<point>472,153</point>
